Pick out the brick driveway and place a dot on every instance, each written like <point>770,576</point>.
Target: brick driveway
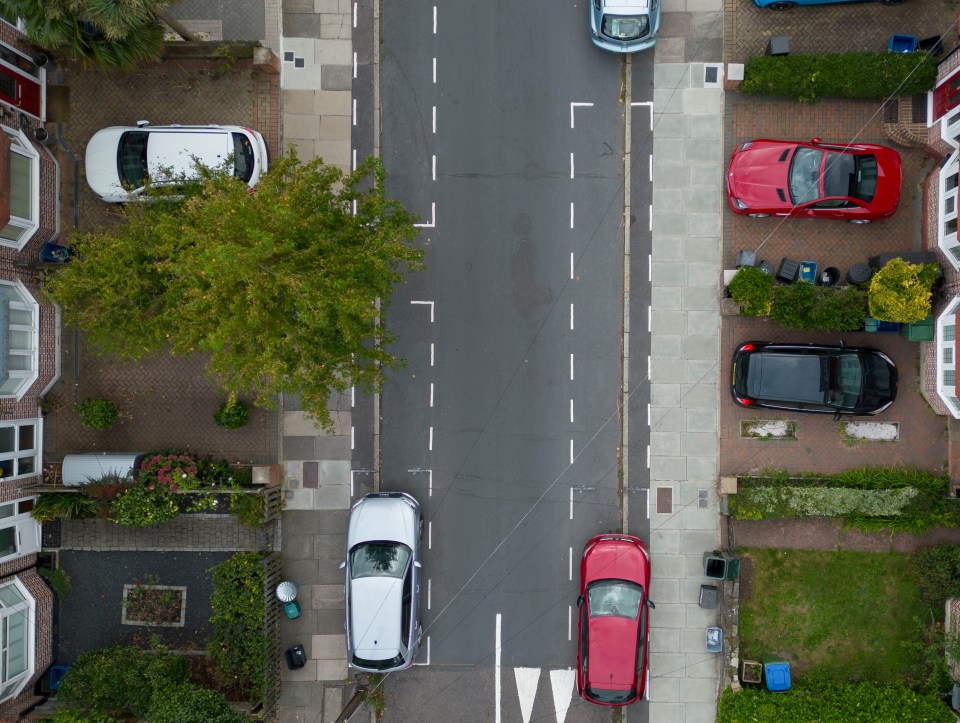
<point>163,401</point>
<point>923,441</point>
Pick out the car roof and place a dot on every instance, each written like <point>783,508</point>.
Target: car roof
<point>786,376</point>
<point>375,617</point>
<point>628,6</point>
<point>612,653</point>
<point>174,150</point>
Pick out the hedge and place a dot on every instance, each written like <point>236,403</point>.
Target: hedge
<point>826,702</point>
<point>863,75</point>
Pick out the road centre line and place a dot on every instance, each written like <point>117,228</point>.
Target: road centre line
<point>434,19</point>
<point>428,650</point>
<point>570,565</point>
<point>434,119</point>
<point>430,449</point>
<point>353,396</point>
<point>430,535</point>
<point>571,164</point>
<point>431,394</point>
<point>433,167</point>
<point>571,317</point>
<point>571,497</point>
<point>430,304</point>
<point>571,411</point>
<point>354,64</point>
<point>571,462</point>
<point>648,415</point>
<point>429,592</point>
<point>430,482</point>
<point>354,160</point>
<point>431,353</point>
<point>496,666</point>
<point>651,168</point>
<point>571,261</point>
<point>569,622</point>
<point>434,70</point>
<point>352,437</point>
<point>571,366</point>
<point>571,218</point>
<point>578,105</point>
<point>649,267</point>
<point>355,15</point>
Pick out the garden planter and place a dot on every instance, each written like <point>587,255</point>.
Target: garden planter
<point>751,671</point>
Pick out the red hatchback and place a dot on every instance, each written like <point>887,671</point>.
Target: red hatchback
<point>614,624</point>
<point>859,183</point>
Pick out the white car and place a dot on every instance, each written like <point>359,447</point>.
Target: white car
<point>120,160</point>
<point>383,582</point>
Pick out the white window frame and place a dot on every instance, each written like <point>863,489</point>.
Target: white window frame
<point>27,608</point>
<point>27,376</point>
<point>16,454</point>
<point>26,529</point>
<point>948,240</point>
<point>947,394</point>
<point>28,226</point>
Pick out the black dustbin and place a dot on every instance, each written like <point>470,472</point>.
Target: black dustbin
<point>296,657</point>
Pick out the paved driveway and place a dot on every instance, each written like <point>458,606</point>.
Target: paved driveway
<point>923,441</point>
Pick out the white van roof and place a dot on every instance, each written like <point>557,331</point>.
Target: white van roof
<point>81,469</point>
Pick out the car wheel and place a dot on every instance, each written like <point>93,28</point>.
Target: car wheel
<point>758,215</point>
<point>781,5</point>
<point>860,221</point>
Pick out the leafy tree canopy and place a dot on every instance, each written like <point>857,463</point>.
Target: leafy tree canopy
<point>279,285</point>
<point>108,33</point>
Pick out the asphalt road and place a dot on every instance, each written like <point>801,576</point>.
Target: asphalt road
<point>503,127</point>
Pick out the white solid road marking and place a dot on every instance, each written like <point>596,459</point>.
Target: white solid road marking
<point>578,105</point>
<point>434,19</point>
<point>354,160</point>
<point>571,263</point>
<point>354,209</point>
<point>434,119</point>
<point>649,267</point>
<point>431,394</point>
<point>352,437</point>
<point>433,168</point>
<point>433,218</point>
<point>562,682</point>
<point>430,482</point>
<point>429,593</point>
<point>650,368</point>
<point>571,457</point>
<point>571,503</point>
<point>571,317</point>
<point>569,622</point>
<point>571,366</point>
<point>570,565</point>
<point>428,650</point>
<point>430,304</point>
<point>430,535</point>
<point>434,70</point>
<point>354,64</point>
<point>430,448</point>
<point>355,15</point>
<point>650,217</point>
<point>527,680</point>
<point>353,396</point>
<point>648,415</point>
<point>651,168</point>
<point>354,111</point>
<point>431,353</point>
<point>571,222</point>
<point>571,411</point>
<point>571,165</point>
<point>649,318</point>
<point>496,666</point>
<point>648,456</point>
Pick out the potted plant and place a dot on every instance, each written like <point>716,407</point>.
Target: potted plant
<point>901,292</point>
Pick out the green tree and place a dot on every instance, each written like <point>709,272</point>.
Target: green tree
<point>108,33</point>
<point>901,291</point>
<point>280,285</point>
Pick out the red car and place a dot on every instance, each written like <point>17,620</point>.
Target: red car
<point>858,183</point>
<point>614,627</point>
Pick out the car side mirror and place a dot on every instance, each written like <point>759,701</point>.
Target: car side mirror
<point>817,140</point>
<point>580,601</point>
<point>650,604</point>
<point>843,344</point>
<point>417,564</point>
<point>343,564</point>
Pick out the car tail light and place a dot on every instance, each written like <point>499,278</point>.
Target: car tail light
<point>747,347</point>
<point>745,402</point>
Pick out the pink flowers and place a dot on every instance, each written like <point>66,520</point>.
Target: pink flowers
<point>172,472</point>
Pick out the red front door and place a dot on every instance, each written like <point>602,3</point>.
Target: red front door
<point>946,96</point>
<point>21,91</point>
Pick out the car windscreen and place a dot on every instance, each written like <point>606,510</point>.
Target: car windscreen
<point>132,158</point>
<point>614,598</point>
<point>384,664</point>
<point>846,381</point>
<point>804,177</point>
<point>611,696</point>
<point>625,27</point>
<point>243,158</point>
<point>379,559</point>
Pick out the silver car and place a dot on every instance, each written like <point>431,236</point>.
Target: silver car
<point>624,26</point>
<point>383,582</point>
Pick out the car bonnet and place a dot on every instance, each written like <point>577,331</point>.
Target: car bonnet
<point>100,162</point>
<point>383,518</point>
<point>757,173</point>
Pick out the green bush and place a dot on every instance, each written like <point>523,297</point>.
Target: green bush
<point>139,507</point>
<point>73,505</point>
<point>189,703</point>
<point>936,570</point>
<point>233,413</point>
<point>760,503</point>
<point>238,646</point>
<point>57,579</point>
<point>248,508</point>
<point>902,292</point>
<point>120,681</point>
<point>96,413</point>
<point>752,289</point>
<point>840,75</point>
<point>824,701</point>
<point>831,308</point>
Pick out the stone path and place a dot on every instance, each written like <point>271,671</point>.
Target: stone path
<point>185,533</point>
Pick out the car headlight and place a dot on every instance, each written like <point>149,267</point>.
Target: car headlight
<point>740,204</point>
<point>745,146</point>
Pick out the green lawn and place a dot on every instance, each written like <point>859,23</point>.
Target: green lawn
<point>843,613</point>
